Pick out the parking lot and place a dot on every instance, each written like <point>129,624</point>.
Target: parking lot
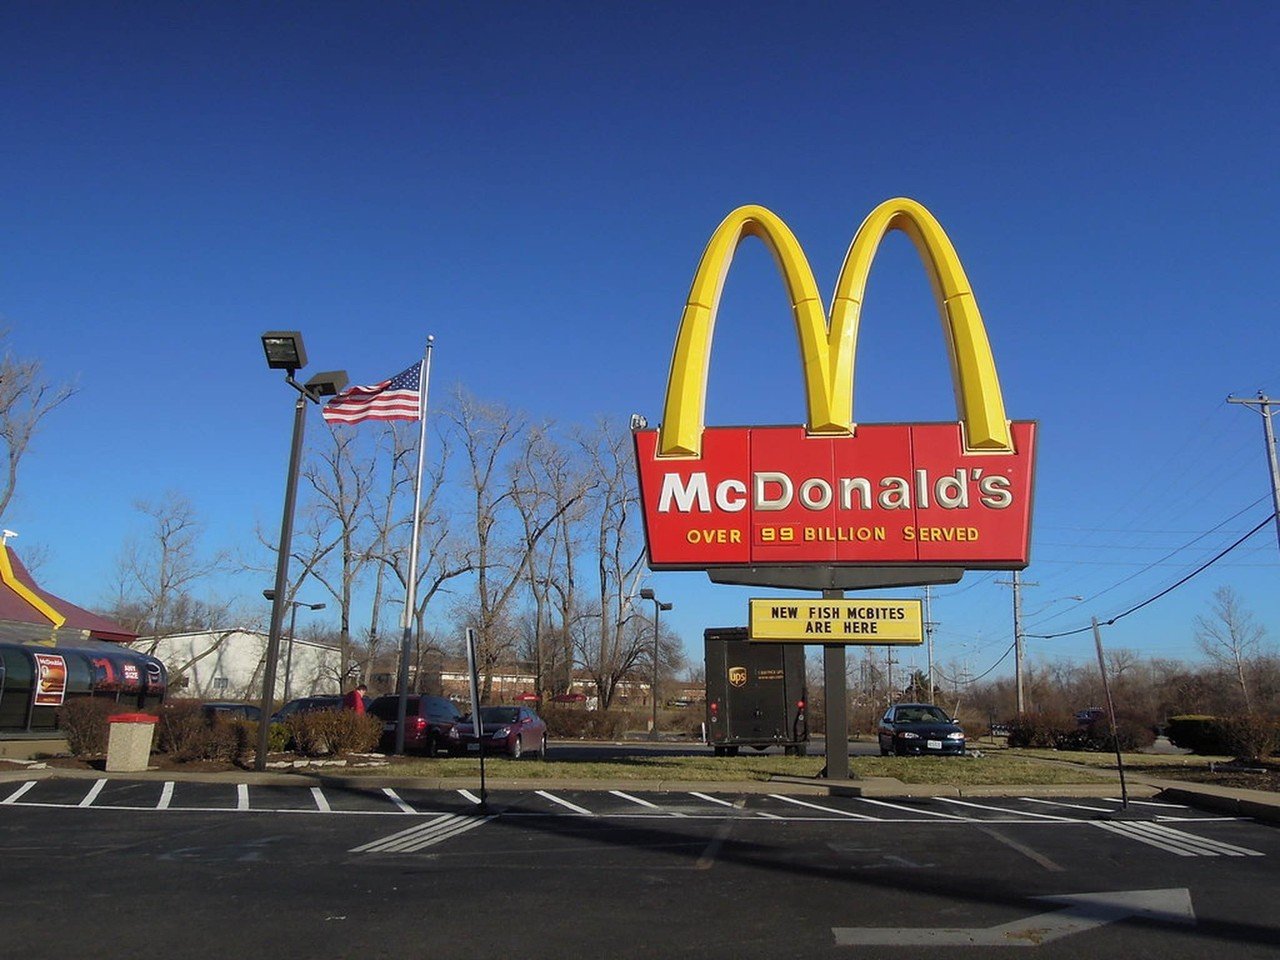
<point>335,870</point>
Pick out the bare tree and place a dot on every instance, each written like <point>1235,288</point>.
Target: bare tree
<point>495,441</point>
<point>1230,637</point>
<point>549,484</point>
<point>155,577</point>
<point>341,483</point>
<point>441,556</point>
<point>25,400</point>
<point>612,649</point>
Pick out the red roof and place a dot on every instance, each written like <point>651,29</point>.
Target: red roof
<point>18,608</point>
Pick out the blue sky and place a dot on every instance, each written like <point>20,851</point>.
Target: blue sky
<point>533,185</point>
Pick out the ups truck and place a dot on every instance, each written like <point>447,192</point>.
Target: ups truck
<point>756,693</point>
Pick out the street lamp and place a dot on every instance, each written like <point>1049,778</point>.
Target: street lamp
<point>293,619</point>
<point>284,351</point>
<point>658,607</point>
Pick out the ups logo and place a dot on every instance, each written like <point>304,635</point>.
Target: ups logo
<point>738,676</point>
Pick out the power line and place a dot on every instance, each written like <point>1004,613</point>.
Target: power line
<point>1165,592</point>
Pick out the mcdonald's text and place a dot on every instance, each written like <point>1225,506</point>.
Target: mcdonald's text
<point>887,494</point>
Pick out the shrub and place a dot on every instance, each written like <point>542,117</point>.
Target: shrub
<point>320,732</point>
<point>187,734</point>
<point>1044,730</point>
<point>569,724</point>
<point>1251,737</point>
<point>1199,734</point>
<point>83,721</point>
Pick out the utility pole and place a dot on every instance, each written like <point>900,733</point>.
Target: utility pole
<point>889,661</point>
<point>1263,405</point>
<point>928,634</point>
<point>1018,647</point>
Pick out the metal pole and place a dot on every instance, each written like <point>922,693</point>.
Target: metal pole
<point>1111,712</point>
<point>1017,640</point>
<point>411,586</point>
<point>657,612</point>
<point>282,582</point>
<point>834,686</point>
<point>928,633</point>
<point>1263,405</point>
<point>288,657</point>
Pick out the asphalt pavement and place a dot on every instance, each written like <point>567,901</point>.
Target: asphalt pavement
<point>129,866</point>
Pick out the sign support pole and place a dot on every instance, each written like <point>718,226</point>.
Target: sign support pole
<point>836,703</point>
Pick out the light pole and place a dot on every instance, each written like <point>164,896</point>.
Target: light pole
<point>284,351</point>
<point>293,619</point>
<point>658,607</point>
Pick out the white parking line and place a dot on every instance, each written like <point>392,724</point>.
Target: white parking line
<point>565,803</point>
<point>1146,803</point>
<point>92,795</point>
<point>242,796</point>
<point>321,803</point>
<point>166,796</point>
<point>1122,830</point>
<point>1153,832</point>
<point>17,794</point>
<point>1004,810</point>
<point>448,831</point>
<point>395,798</point>
<point>896,806</point>
<point>1073,806</point>
<point>817,806</point>
<point>470,796</point>
<point>390,843</point>
<point>644,803</point>
<point>703,796</point>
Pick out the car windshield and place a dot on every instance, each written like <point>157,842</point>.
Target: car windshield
<point>922,714</point>
<point>499,714</point>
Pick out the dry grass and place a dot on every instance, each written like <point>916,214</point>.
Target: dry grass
<point>990,769</point>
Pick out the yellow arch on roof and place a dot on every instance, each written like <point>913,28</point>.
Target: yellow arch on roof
<point>11,581</point>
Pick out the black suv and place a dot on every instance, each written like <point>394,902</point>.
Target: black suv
<point>428,721</point>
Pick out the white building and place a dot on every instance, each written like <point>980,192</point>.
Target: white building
<point>228,665</point>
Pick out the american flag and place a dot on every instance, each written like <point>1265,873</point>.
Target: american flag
<point>399,398</point>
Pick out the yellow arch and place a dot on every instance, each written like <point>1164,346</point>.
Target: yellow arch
<point>682,421</point>
<point>979,401</point>
<point>827,349</point>
<point>11,581</point>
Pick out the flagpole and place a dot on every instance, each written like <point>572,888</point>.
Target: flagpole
<point>411,585</point>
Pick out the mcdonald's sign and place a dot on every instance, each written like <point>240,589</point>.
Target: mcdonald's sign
<point>922,500</point>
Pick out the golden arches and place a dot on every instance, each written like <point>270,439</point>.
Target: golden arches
<point>828,349</point>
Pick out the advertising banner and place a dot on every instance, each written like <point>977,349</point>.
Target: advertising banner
<point>51,679</point>
<point>865,621</point>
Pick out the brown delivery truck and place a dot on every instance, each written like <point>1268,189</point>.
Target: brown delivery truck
<point>756,693</point>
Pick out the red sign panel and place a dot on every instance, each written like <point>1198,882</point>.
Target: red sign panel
<point>892,495</point>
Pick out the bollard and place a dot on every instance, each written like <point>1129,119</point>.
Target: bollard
<point>129,743</point>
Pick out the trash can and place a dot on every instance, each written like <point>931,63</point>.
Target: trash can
<point>129,742</point>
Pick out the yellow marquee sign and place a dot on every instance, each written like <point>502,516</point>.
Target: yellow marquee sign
<point>864,621</point>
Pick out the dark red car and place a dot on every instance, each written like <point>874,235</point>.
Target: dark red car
<point>514,731</point>
<point>428,722</point>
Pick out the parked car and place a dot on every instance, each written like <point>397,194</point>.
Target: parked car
<point>306,705</point>
<point>511,730</point>
<point>429,722</point>
<point>915,728</point>
<point>230,709</point>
